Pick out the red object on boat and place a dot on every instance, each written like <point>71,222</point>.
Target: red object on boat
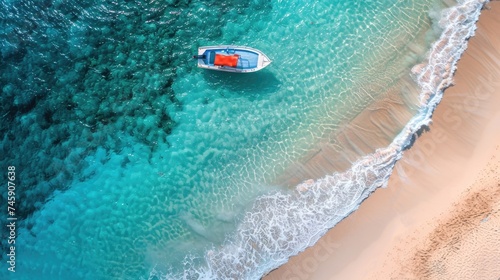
<point>226,60</point>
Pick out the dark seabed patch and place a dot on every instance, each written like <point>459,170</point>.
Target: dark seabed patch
<point>76,75</point>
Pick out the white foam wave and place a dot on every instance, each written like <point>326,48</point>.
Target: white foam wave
<point>281,225</point>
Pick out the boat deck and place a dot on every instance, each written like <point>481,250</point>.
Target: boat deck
<point>230,58</point>
<point>247,59</point>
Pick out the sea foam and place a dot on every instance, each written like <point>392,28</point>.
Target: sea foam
<point>282,225</point>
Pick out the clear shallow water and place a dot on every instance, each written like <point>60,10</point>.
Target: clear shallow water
<point>134,163</point>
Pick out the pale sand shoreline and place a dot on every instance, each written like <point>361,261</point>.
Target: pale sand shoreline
<point>439,217</point>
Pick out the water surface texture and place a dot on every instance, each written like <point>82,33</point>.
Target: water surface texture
<point>133,164</point>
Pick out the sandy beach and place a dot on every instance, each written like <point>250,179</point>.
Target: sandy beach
<point>439,217</point>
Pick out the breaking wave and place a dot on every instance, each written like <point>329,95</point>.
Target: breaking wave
<point>282,225</point>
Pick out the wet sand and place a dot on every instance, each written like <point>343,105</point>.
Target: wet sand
<point>439,217</point>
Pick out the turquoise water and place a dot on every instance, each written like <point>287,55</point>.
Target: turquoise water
<point>132,163</point>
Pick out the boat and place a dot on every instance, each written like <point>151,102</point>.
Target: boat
<point>237,59</point>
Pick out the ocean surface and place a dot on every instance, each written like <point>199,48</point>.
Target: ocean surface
<point>132,163</point>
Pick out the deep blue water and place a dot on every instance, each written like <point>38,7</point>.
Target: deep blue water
<point>132,162</point>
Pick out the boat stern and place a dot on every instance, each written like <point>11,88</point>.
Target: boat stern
<point>201,57</point>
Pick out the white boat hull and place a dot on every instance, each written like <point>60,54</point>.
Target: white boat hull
<point>248,59</point>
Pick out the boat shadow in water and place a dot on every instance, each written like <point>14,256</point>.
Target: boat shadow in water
<point>251,84</point>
